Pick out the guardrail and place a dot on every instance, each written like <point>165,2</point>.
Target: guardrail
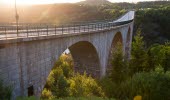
<point>8,31</point>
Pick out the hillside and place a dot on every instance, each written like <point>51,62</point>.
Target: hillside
<point>56,13</point>
<point>154,23</point>
<point>94,2</point>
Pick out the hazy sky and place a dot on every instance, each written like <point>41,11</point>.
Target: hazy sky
<point>57,1</point>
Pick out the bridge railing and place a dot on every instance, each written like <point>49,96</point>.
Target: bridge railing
<point>31,30</point>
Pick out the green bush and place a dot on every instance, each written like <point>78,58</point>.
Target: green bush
<point>83,85</point>
<point>160,55</point>
<point>150,85</point>
<point>46,94</point>
<point>5,91</point>
<point>85,98</point>
<point>119,65</point>
<point>27,98</point>
<point>107,86</point>
<point>61,88</point>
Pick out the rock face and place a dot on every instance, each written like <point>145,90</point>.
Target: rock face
<point>95,2</point>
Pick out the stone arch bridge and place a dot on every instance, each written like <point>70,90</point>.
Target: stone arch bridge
<point>28,54</point>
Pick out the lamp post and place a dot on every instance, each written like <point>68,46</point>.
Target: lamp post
<point>16,16</point>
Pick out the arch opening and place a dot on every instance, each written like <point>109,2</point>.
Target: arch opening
<point>117,44</point>
<point>78,58</point>
<point>85,58</point>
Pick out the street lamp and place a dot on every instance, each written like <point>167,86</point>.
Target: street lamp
<point>16,16</point>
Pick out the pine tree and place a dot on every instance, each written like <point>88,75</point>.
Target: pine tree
<point>139,57</point>
<point>118,64</point>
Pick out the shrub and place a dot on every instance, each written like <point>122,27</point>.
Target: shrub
<point>85,98</point>
<point>46,94</point>
<point>83,85</point>
<point>5,91</point>
<point>107,86</point>
<point>28,98</point>
<point>150,85</point>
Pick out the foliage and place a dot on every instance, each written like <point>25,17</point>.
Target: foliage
<point>62,87</point>
<point>119,65</point>
<point>27,98</point>
<point>68,98</point>
<point>57,84</point>
<point>153,85</point>
<point>144,81</point>
<point>62,82</point>
<point>46,94</point>
<point>159,55</point>
<point>139,57</point>
<point>154,24</point>
<point>66,63</point>
<point>85,98</point>
<point>82,85</point>
<point>107,86</point>
<point>5,91</point>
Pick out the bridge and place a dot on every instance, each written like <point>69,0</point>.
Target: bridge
<point>28,54</point>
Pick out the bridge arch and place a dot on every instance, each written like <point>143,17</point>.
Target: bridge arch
<point>85,58</point>
<point>116,41</point>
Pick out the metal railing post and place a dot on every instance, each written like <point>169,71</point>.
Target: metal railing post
<point>102,26</point>
<point>27,31</point>
<point>88,27</point>
<point>55,30</point>
<point>108,25</point>
<point>17,31</point>
<point>95,27</point>
<point>79,28</point>
<point>92,27</point>
<point>84,28</point>
<point>74,28</point>
<point>38,32</point>
<point>47,30</point>
<point>99,26</point>
<point>6,33</point>
<point>68,29</point>
<point>62,30</point>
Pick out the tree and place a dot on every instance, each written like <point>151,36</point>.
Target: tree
<point>83,85</point>
<point>159,55</point>
<point>139,57</point>
<point>5,91</point>
<point>119,65</point>
<point>154,85</point>
<point>62,87</point>
<point>46,94</point>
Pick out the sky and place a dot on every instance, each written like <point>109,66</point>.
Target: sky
<point>29,2</point>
